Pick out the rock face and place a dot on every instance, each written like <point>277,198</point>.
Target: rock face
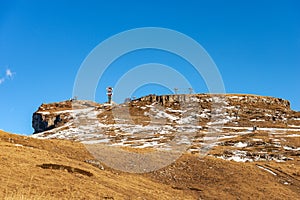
<point>49,116</point>
<point>258,101</point>
<point>243,103</point>
<point>248,110</point>
<point>42,122</point>
<point>53,115</point>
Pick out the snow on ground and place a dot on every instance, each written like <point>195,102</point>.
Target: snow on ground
<point>175,111</point>
<point>219,121</point>
<point>293,135</point>
<point>291,148</point>
<point>293,126</point>
<point>237,156</point>
<point>279,129</point>
<point>257,120</point>
<point>268,170</point>
<point>186,120</point>
<point>257,140</point>
<point>106,140</point>
<point>43,112</point>
<point>162,114</point>
<point>240,145</point>
<point>237,97</point>
<point>86,128</point>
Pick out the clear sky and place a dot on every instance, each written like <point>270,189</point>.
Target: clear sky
<point>255,45</point>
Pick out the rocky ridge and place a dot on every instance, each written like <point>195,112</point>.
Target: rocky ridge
<point>235,127</point>
<point>245,108</point>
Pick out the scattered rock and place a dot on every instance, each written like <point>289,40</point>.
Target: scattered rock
<point>95,163</point>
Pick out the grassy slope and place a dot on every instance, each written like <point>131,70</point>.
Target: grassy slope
<point>218,179</point>
<point>21,177</point>
<point>187,178</point>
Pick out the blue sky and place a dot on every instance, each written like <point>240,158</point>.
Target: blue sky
<point>255,45</point>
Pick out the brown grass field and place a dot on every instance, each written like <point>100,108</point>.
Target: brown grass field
<point>55,169</point>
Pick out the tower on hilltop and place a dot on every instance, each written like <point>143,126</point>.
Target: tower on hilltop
<point>109,94</point>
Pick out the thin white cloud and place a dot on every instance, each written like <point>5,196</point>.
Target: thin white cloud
<point>9,74</point>
<point>1,80</point>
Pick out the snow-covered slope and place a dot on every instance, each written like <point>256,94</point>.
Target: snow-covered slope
<point>195,123</point>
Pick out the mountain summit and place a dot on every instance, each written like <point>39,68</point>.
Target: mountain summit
<point>254,127</point>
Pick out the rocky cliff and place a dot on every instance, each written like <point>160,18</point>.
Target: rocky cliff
<point>53,115</point>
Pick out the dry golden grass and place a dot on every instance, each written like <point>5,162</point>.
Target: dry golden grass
<point>22,178</point>
<point>213,178</point>
<point>138,150</point>
<point>190,177</point>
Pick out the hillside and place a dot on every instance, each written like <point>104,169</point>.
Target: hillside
<point>55,169</point>
<point>179,123</point>
<point>195,146</point>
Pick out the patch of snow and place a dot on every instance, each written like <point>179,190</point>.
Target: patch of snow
<point>270,171</point>
<point>106,140</point>
<point>162,114</point>
<point>236,97</point>
<point>293,135</point>
<point>294,126</point>
<point>291,148</point>
<point>278,129</point>
<point>219,100</point>
<point>218,122</point>
<point>43,112</point>
<point>257,120</point>
<point>237,127</point>
<point>275,140</point>
<point>230,107</point>
<point>63,111</point>
<point>236,158</point>
<point>149,144</point>
<point>195,99</point>
<point>203,115</point>
<point>240,145</point>
<point>185,140</point>
<point>186,120</point>
<point>210,138</point>
<point>227,136</point>
<point>175,111</point>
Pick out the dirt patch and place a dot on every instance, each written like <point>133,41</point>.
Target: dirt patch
<point>65,168</point>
